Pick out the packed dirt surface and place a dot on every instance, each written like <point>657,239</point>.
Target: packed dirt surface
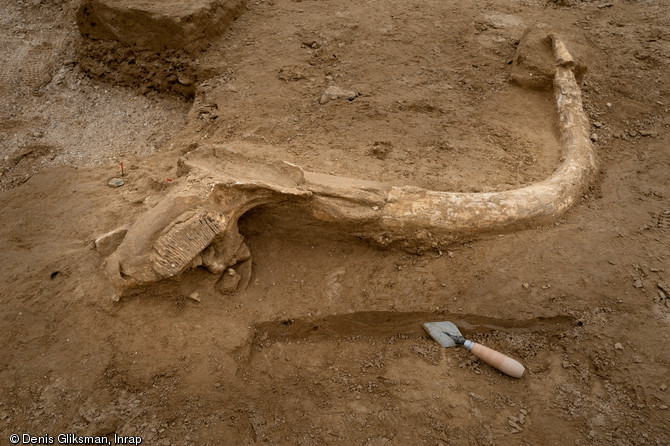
<point>325,345</point>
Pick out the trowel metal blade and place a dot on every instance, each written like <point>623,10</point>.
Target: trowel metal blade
<point>442,332</point>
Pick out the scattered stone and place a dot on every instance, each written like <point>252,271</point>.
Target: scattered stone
<point>477,396</point>
<point>451,254</point>
<point>116,182</point>
<point>594,137</point>
<point>107,243</point>
<point>618,346</point>
<point>609,105</point>
<point>597,124</point>
<point>311,44</point>
<point>184,79</point>
<point>195,296</point>
<point>663,407</point>
<point>512,421</point>
<point>333,92</point>
<point>598,420</point>
<point>102,425</point>
<point>663,387</point>
<point>381,149</point>
<point>632,133</point>
<point>291,73</point>
<point>638,283</point>
<point>645,132</point>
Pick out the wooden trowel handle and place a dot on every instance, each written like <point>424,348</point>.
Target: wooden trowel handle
<point>501,362</point>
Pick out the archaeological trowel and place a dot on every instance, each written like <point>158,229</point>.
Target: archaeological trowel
<point>447,335</point>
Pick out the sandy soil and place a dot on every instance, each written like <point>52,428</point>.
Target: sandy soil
<point>325,346</point>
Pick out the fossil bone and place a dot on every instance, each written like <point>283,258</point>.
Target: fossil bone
<point>198,225</point>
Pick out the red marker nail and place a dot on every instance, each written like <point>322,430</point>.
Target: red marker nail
<point>169,180</point>
<point>121,168</point>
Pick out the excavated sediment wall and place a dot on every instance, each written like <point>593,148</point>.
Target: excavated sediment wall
<point>151,45</point>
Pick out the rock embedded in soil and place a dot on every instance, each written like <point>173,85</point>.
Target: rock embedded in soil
<point>116,182</point>
<point>333,93</point>
<point>650,133</point>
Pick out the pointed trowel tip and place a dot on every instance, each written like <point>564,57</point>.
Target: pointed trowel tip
<point>443,332</point>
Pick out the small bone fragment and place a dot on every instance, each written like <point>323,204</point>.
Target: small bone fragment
<point>563,57</point>
<point>244,271</point>
<point>228,282</point>
<point>222,253</point>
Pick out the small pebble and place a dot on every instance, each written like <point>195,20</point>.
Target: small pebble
<point>333,92</point>
<point>115,182</point>
<point>650,133</point>
<point>663,387</point>
<point>594,137</point>
<point>637,283</point>
<point>618,346</point>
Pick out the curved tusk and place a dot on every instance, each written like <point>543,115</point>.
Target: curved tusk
<point>200,228</point>
<point>415,215</point>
